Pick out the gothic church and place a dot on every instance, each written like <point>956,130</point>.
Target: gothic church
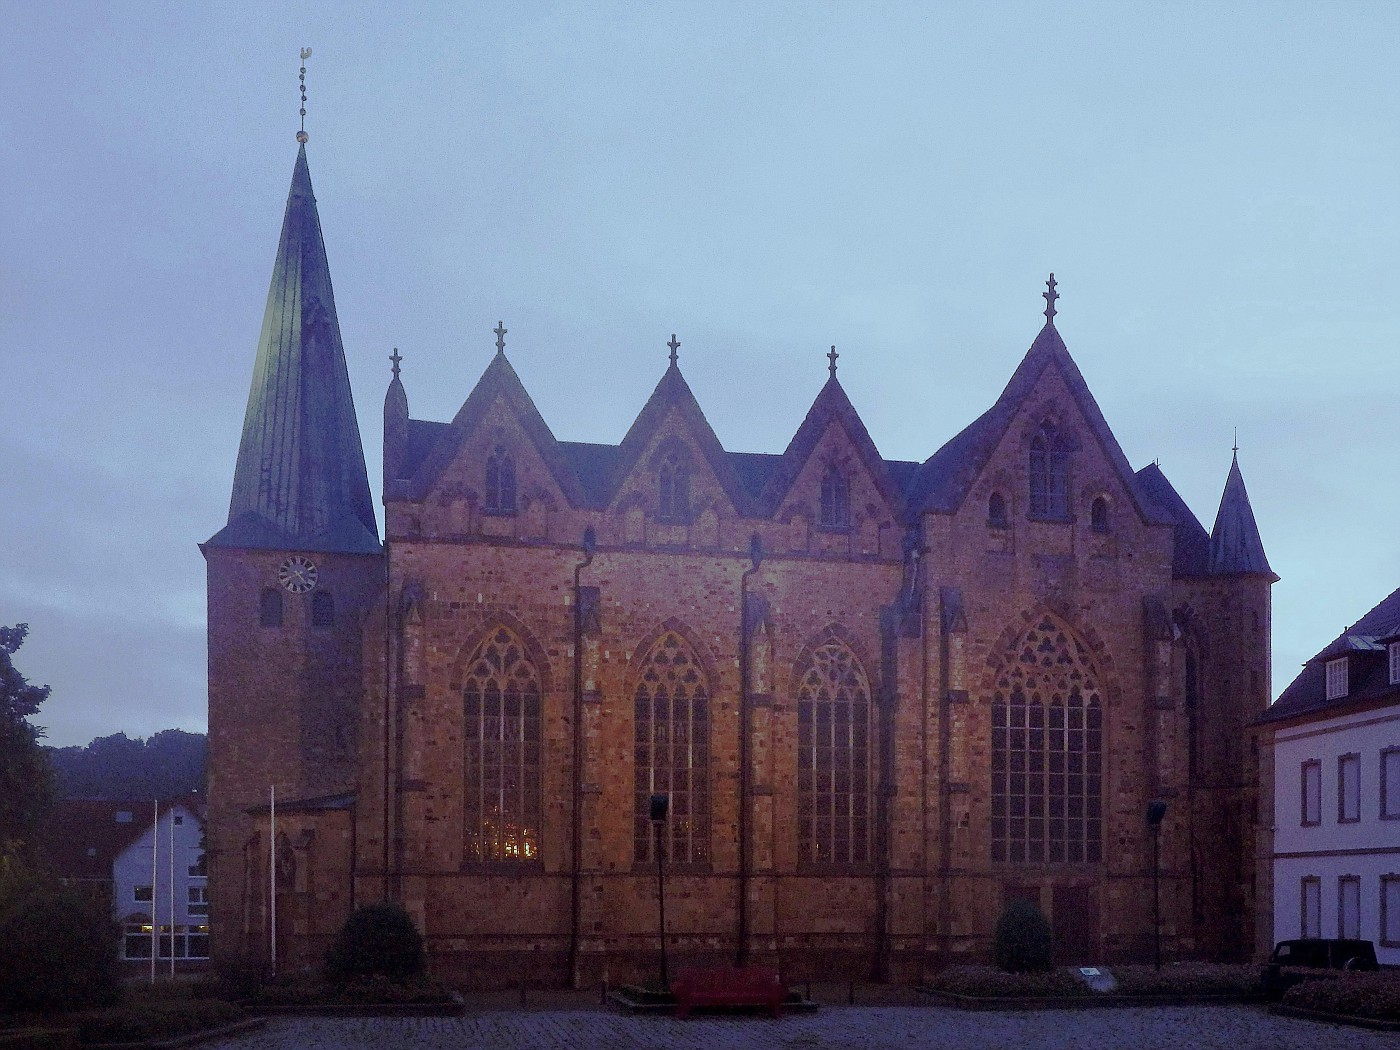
<point>881,697</point>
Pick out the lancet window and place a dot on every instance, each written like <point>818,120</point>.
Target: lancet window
<point>1049,474</point>
<point>836,499</point>
<point>501,793</point>
<point>673,491</point>
<point>833,746</point>
<point>500,482</point>
<point>672,751</point>
<point>1047,752</point>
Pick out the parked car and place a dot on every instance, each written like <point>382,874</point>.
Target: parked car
<point>1317,953</point>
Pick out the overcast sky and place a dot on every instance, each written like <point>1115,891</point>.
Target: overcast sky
<point>1214,186</point>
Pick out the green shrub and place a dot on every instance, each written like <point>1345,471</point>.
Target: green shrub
<point>989,982</point>
<point>60,950</point>
<point>1189,978</point>
<point>1374,995</point>
<point>156,1020</point>
<point>1023,941</point>
<point>378,940</point>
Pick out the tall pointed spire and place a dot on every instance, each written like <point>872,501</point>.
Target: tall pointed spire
<point>300,481</point>
<point>1235,546</point>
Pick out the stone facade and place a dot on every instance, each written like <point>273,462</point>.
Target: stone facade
<point>883,698</point>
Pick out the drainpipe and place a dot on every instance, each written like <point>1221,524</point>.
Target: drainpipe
<point>576,846</point>
<point>755,559</point>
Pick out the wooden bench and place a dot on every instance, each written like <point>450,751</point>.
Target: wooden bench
<point>728,986</point>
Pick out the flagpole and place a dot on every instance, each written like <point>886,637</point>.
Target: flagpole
<point>272,870</point>
<point>155,841</point>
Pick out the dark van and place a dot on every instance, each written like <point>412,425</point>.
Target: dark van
<point>1317,953</point>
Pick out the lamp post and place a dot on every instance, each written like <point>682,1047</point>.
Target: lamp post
<point>1156,810</point>
<point>659,805</point>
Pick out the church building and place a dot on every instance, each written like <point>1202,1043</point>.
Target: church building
<point>882,698</point>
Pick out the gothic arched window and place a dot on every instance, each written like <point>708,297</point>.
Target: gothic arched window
<point>500,482</point>
<point>1098,514</point>
<point>836,500</point>
<point>1049,474</point>
<point>672,751</point>
<point>996,511</point>
<point>673,491</point>
<point>501,790</point>
<point>833,747</point>
<point>1047,751</point>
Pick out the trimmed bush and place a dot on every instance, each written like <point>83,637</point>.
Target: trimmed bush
<point>1375,995</point>
<point>59,950</point>
<point>1023,940</point>
<point>378,940</point>
<point>987,982</point>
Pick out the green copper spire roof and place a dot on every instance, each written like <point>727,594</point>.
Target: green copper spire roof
<point>1235,546</point>
<point>300,481</point>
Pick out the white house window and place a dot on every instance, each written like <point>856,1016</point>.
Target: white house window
<point>185,942</point>
<point>141,894</point>
<point>1394,663</point>
<point>1390,911</point>
<point>1312,792</point>
<point>1310,907</point>
<point>1348,788</point>
<point>1349,906</point>
<point>199,900</point>
<point>1336,678</point>
<point>1390,783</point>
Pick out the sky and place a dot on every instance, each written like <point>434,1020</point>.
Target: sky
<point>1213,185</point>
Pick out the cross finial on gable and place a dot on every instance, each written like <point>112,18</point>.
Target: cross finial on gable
<point>1050,295</point>
<point>301,135</point>
<point>831,361</point>
<point>500,331</point>
<point>394,360</point>
<point>674,344</point>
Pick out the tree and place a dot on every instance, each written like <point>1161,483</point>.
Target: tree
<point>26,780</point>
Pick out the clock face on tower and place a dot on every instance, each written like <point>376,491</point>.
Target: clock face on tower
<point>297,574</point>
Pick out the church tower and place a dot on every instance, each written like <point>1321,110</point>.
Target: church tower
<point>290,576</point>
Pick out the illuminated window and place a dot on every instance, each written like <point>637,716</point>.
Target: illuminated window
<point>501,798</point>
<point>833,746</point>
<point>500,482</point>
<point>836,500</point>
<point>1049,474</point>
<point>672,751</point>
<point>1047,746</point>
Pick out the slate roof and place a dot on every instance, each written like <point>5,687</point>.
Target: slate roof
<point>300,480</point>
<point>1364,642</point>
<point>1235,546</point>
<point>590,474</point>
<point>1191,545</point>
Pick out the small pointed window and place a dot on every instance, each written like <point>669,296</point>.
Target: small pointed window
<point>673,492</point>
<point>1098,515</point>
<point>836,500</point>
<point>270,608</point>
<point>1049,474</point>
<point>500,482</point>
<point>322,609</point>
<point>996,511</point>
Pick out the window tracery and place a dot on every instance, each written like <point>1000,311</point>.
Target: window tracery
<point>672,751</point>
<point>834,767</point>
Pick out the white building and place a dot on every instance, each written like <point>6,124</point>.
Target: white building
<point>149,862</point>
<point>1336,788</point>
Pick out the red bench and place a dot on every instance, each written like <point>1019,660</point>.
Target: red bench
<point>728,986</point>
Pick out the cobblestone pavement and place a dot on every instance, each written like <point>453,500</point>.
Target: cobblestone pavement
<point>863,1027</point>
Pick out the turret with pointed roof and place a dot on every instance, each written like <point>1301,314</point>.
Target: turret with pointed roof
<point>300,482</point>
<point>1235,547</point>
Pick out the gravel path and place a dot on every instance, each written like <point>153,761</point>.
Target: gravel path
<point>864,1027</point>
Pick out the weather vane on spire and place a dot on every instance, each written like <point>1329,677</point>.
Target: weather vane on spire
<point>301,135</point>
<point>674,344</point>
<point>831,361</point>
<point>1050,295</point>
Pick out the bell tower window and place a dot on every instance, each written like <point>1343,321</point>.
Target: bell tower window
<point>500,482</point>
